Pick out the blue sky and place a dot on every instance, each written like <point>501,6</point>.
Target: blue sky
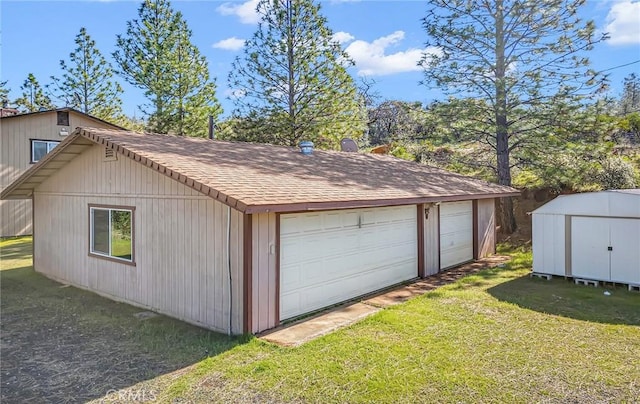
<point>385,38</point>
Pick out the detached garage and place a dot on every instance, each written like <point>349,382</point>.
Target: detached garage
<point>591,236</point>
<point>239,237</point>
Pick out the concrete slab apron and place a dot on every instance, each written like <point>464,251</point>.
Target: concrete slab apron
<point>313,327</point>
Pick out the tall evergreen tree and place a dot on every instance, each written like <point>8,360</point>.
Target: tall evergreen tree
<point>157,55</point>
<point>4,93</point>
<point>291,83</point>
<point>630,100</point>
<point>87,83</point>
<point>525,60</point>
<point>33,97</point>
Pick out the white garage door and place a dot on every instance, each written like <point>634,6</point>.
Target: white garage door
<point>328,257</point>
<point>456,233</point>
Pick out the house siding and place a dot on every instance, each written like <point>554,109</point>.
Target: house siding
<point>486,227</point>
<point>264,267</point>
<point>15,158</point>
<point>180,237</point>
<point>432,240</point>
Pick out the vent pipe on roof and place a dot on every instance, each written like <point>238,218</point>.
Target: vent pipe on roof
<point>348,145</point>
<point>212,134</point>
<point>306,147</point>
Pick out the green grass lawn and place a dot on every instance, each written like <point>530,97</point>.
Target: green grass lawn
<point>497,336</point>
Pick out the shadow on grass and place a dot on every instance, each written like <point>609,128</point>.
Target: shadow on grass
<point>564,298</point>
<point>63,344</point>
<point>16,250</point>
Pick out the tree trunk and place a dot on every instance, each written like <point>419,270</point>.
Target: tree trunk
<point>507,220</point>
<point>293,135</point>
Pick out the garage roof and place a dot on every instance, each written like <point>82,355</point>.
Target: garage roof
<point>255,177</point>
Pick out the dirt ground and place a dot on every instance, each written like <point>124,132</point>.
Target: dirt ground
<point>60,344</point>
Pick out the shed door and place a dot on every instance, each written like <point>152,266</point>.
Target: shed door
<point>328,257</point>
<point>625,256</point>
<point>605,249</point>
<point>589,242</point>
<point>456,233</point>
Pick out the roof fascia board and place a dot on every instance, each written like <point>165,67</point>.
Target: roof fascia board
<point>318,206</point>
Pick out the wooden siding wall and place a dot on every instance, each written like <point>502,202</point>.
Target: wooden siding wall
<point>15,158</point>
<point>264,288</point>
<point>180,241</point>
<point>486,227</point>
<point>432,240</point>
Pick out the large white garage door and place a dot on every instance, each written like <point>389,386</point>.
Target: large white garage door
<point>328,257</point>
<point>456,233</point>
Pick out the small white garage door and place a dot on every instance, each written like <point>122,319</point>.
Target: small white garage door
<point>332,256</point>
<point>456,233</point>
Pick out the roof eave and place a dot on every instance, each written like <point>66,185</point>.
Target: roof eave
<point>23,186</point>
<point>372,203</point>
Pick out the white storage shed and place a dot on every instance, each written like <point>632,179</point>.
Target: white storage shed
<point>593,236</point>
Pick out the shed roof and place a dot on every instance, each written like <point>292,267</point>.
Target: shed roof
<point>255,177</point>
<point>611,203</point>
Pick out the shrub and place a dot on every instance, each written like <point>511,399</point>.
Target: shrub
<point>616,173</point>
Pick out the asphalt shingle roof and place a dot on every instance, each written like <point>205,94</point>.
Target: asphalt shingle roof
<point>258,177</point>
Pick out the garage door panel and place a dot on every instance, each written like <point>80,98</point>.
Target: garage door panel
<point>314,297</point>
<point>456,233</point>
<point>348,254</point>
<point>456,223</point>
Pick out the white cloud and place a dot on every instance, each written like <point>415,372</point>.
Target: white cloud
<point>371,60</point>
<point>623,23</point>
<point>234,93</point>
<point>246,11</point>
<point>232,44</point>
<point>342,37</point>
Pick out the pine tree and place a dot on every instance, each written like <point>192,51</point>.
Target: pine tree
<point>157,55</point>
<point>87,82</point>
<point>4,93</point>
<point>525,64</point>
<point>291,84</point>
<point>33,97</point>
<point>630,100</point>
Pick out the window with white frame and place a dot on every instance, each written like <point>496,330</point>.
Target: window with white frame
<point>111,232</point>
<point>39,148</point>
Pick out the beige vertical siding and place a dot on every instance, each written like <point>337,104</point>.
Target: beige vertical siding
<point>181,241</point>
<point>432,241</point>
<point>264,288</point>
<point>486,227</point>
<point>15,158</point>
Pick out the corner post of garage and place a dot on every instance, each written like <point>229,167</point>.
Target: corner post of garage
<point>277,286</point>
<point>247,273</point>
<point>474,207</point>
<point>421,220</point>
